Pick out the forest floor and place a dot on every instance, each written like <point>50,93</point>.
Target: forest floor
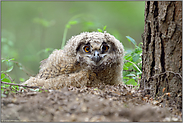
<point>87,104</point>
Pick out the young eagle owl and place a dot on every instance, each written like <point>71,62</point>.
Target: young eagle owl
<point>87,59</point>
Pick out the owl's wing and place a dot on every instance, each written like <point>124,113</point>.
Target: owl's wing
<point>56,64</point>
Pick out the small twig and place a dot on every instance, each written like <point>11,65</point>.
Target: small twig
<point>23,68</point>
<point>9,77</point>
<point>134,65</point>
<point>20,65</point>
<point>20,85</point>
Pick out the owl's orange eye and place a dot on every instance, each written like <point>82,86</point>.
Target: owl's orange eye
<point>105,48</point>
<point>87,49</point>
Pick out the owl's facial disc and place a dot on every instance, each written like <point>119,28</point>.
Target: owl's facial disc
<point>96,53</point>
<point>93,53</point>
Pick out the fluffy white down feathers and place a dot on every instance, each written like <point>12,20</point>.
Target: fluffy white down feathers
<point>88,59</point>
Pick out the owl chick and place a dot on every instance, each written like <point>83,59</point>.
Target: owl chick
<point>88,59</point>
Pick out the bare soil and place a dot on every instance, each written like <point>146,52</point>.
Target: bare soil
<point>104,103</point>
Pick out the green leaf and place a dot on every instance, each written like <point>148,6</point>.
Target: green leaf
<point>131,82</point>
<point>6,80</point>
<point>11,59</point>
<point>128,64</point>
<point>6,86</point>
<point>128,57</point>
<point>10,69</point>
<point>17,87</point>
<point>126,78</point>
<point>130,74</point>
<point>6,92</point>
<point>131,40</point>
<point>73,22</point>
<point>99,30</point>
<point>125,73</point>
<point>104,28</point>
<point>7,60</point>
<point>48,49</point>
<point>22,79</point>
<point>13,87</point>
<point>9,63</point>
<point>125,67</point>
<point>138,50</point>
<point>139,73</point>
<point>3,60</point>
<point>134,78</point>
<point>136,57</point>
<point>2,76</point>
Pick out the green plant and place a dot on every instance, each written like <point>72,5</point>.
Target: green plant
<point>8,85</point>
<point>102,30</point>
<point>72,21</point>
<point>132,64</point>
<point>84,19</point>
<point>7,79</point>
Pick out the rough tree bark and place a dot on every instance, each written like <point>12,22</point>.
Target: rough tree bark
<point>162,50</point>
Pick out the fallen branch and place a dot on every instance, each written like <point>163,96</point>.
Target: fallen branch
<point>20,85</point>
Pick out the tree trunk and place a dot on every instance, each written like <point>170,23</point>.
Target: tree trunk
<point>162,50</point>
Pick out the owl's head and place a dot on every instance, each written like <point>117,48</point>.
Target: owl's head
<point>95,49</point>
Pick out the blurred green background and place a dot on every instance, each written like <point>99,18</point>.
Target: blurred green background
<point>30,30</point>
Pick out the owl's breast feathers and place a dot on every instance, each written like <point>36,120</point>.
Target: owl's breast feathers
<point>57,64</point>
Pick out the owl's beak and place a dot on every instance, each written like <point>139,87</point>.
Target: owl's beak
<point>96,57</point>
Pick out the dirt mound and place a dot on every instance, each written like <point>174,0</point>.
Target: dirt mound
<point>105,103</point>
